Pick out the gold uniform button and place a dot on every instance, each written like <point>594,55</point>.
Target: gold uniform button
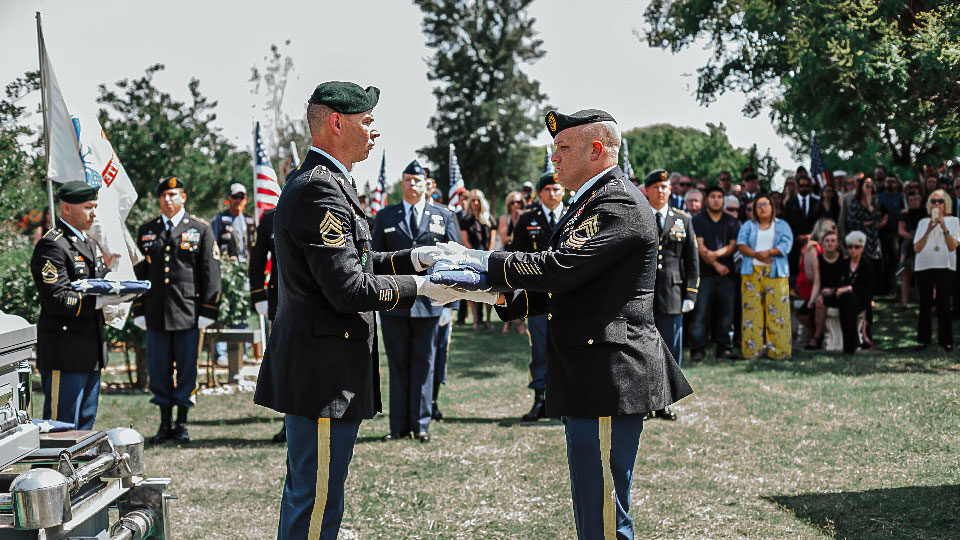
<point>549,295</point>
<point>659,267</point>
<point>549,316</point>
<point>166,280</point>
<point>166,268</point>
<point>166,257</point>
<point>659,248</point>
<point>168,248</point>
<point>64,327</point>
<point>660,257</point>
<point>346,335</point>
<point>590,341</point>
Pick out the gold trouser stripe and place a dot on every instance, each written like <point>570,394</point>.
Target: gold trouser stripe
<point>196,380</point>
<point>55,394</point>
<point>605,425</point>
<point>323,478</point>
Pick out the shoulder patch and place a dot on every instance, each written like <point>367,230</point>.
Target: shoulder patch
<point>585,231</point>
<point>681,212</point>
<point>331,231</point>
<point>53,234</point>
<point>49,273</point>
<point>199,219</point>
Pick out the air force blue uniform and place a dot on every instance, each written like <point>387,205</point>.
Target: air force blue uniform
<point>410,335</point>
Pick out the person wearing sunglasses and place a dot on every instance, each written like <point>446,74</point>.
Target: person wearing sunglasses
<point>234,231</point>
<point>855,294</point>
<point>935,244</point>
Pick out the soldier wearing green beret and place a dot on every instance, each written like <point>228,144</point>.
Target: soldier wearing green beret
<point>71,349</point>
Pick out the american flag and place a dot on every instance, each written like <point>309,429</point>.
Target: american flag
<point>627,167</point>
<point>379,200</point>
<point>817,169</point>
<point>547,164</point>
<point>456,179</point>
<point>266,190</point>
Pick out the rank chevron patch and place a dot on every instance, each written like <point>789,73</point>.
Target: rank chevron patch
<point>331,231</point>
<point>584,231</point>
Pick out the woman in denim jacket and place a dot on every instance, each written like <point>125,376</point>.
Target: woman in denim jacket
<point>765,242</point>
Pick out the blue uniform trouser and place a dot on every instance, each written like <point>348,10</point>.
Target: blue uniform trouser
<point>440,358</point>
<point>671,329</point>
<point>411,345</point>
<point>601,453</point>
<point>318,459</point>
<point>70,396</point>
<point>537,330</point>
<point>716,298</point>
<point>172,366</point>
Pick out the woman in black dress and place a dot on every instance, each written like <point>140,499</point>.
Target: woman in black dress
<point>478,231</point>
<point>855,294</point>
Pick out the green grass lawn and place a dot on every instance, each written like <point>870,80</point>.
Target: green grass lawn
<point>821,446</point>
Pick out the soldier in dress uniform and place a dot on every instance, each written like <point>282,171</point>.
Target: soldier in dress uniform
<point>182,262</point>
<point>236,232</point>
<point>606,364</point>
<point>321,366</point>
<point>71,349</point>
<point>678,269</point>
<point>531,234</point>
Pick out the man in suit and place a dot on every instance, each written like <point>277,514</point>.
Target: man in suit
<point>410,335</point>
<point>606,364</point>
<point>677,191</point>
<point>182,262</point>
<point>321,366</point>
<point>71,349</point>
<point>800,213</point>
<point>678,269</point>
<point>531,234</point>
<point>750,189</point>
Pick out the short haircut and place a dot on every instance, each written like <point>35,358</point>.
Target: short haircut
<point>855,237</point>
<point>317,115</point>
<point>714,189</point>
<point>731,199</point>
<point>691,193</point>
<point>947,203</point>
<point>750,176</point>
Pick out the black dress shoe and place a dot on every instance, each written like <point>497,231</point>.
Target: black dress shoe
<point>947,348</point>
<point>281,436</point>
<point>726,354</point>
<point>538,410</point>
<point>665,414</point>
<point>162,436</point>
<point>435,412</point>
<point>179,434</point>
<point>423,437</point>
<point>696,356</point>
<point>396,436</point>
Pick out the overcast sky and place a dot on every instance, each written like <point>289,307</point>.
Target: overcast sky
<point>593,60</point>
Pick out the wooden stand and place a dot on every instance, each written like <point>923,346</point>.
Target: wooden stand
<point>235,338</point>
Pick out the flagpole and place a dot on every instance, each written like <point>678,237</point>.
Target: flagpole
<point>264,330</point>
<point>294,155</point>
<point>46,130</point>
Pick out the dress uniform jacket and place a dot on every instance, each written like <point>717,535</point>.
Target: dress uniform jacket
<point>391,232</point>
<point>322,360</point>
<point>595,284</point>
<point>183,267</point>
<point>678,264</point>
<point>259,289</point>
<point>70,335</point>
<point>226,235</point>
<point>532,231</point>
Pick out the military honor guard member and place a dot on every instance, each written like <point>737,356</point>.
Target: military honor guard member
<point>182,263</point>
<point>678,269</point>
<point>410,335</point>
<point>321,366</point>
<point>235,231</point>
<point>71,349</point>
<point>531,234</point>
<point>606,364</point>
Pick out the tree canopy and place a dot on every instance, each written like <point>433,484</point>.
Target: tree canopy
<point>867,75</point>
<point>486,105</point>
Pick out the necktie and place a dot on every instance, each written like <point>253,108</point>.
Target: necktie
<point>806,209</point>
<point>659,224</point>
<point>413,221</point>
<point>552,220</point>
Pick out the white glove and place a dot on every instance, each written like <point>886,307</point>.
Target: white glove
<point>261,307</point>
<point>485,297</point>
<point>424,257</point>
<point>461,256</point>
<point>114,299</point>
<point>203,322</point>
<point>140,322</point>
<point>687,306</point>
<point>446,316</point>
<point>439,293</point>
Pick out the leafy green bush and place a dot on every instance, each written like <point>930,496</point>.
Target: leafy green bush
<point>18,294</point>
<point>235,293</point>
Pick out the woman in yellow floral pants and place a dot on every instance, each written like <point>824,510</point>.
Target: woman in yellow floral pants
<point>764,243</point>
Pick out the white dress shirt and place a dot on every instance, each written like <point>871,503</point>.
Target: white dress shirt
<point>334,160</point>
<point>173,222</point>
<point>557,212</point>
<point>586,185</point>
<point>418,208</point>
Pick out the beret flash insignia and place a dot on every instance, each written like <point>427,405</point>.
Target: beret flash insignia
<point>172,182</point>
<point>585,231</point>
<point>663,175</point>
<point>331,231</point>
<point>552,122</point>
<point>49,272</point>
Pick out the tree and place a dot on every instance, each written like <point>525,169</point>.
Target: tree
<point>22,167</point>
<point>693,152</point>
<point>156,136</point>
<point>278,129</point>
<point>864,74</point>
<point>486,105</point>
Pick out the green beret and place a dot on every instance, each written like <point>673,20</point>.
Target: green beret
<point>77,192</point>
<point>345,97</point>
<point>557,122</point>
<point>657,176</point>
<point>546,179</point>
<point>170,182</point>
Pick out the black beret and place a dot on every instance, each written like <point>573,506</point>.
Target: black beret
<point>657,176</point>
<point>546,179</point>
<point>414,168</point>
<point>170,182</point>
<point>77,192</point>
<point>345,97</point>
<point>557,122</point>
